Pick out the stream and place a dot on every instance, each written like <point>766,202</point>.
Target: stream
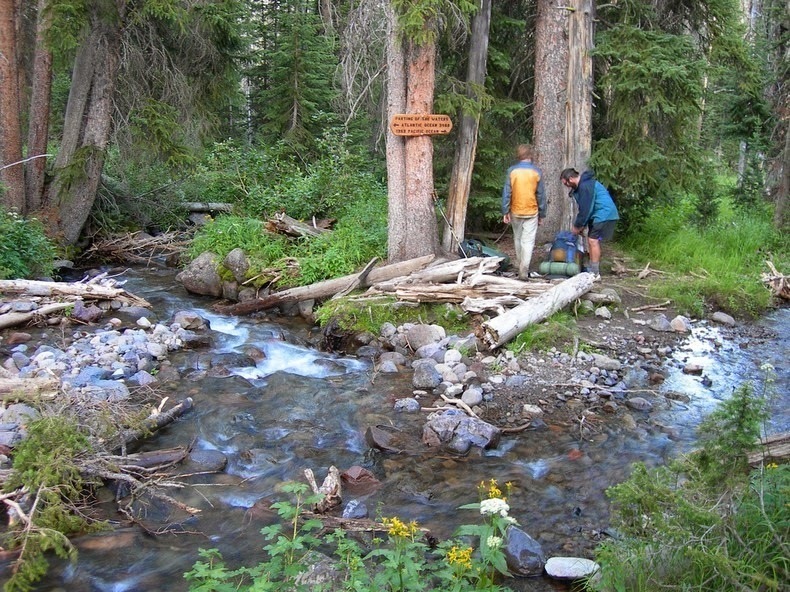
<point>300,408</point>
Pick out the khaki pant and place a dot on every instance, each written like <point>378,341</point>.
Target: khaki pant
<point>524,231</point>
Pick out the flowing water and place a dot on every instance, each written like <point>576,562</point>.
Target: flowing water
<point>301,408</point>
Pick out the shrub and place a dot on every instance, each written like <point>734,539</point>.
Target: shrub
<point>25,251</point>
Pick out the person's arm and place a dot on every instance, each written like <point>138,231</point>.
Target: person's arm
<point>506,193</point>
<point>585,197</point>
<point>540,193</point>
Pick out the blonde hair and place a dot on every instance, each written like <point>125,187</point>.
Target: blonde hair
<point>525,152</point>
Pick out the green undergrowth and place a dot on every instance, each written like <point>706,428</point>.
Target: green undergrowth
<point>368,315</point>
<point>47,466</point>
<point>715,266</point>
<point>707,520</point>
<point>25,251</point>
<point>397,557</point>
<point>558,331</point>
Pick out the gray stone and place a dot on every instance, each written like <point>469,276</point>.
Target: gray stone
<point>458,432</point>
<point>523,554</point>
<point>388,367</point>
<point>660,323</point>
<point>571,568</point>
<point>723,318</point>
<point>236,262</point>
<point>426,377</point>
<point>408,405</point>
<point>355,509</point>
<point>190,320</point>
<point>201,277</point>
<point>606,363</point>
<point>639,404</point>
<point>419,335</point>
<point>20,413</point>
<point>472,396</point>
<point>603,313</point>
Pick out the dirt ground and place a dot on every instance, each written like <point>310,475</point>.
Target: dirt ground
<point>555,385</point>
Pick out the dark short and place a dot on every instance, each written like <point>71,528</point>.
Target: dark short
<point>602,231</point>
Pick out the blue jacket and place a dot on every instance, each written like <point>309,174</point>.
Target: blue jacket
<point>595,203</point>
<point>523,193</point>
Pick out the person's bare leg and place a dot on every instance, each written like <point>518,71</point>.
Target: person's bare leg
<point>595,255</point>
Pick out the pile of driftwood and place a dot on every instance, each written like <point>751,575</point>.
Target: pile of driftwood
<point>472,283</point>
<point>54,298</point>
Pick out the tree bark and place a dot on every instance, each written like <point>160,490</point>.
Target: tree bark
<point>463,163</point>
<point>397,232</point>
<point>579,85</point>
<point>501,329</point>
<point>422,232</point>
<point>551,68</point>
<point>12,172</point>
<point>88,122</point>
<point>37,134</point>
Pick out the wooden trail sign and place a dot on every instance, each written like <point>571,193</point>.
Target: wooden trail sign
<point>416,124</point>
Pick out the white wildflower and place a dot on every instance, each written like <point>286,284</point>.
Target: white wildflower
<point>494,542</point>
<point>493,506</point>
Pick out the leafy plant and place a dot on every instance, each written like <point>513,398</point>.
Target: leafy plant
<point>402,562</point>
<point>46,464</point>
<point>705,521</point>
<point>25,251</point>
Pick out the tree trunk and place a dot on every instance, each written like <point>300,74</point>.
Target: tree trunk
<point>578,123</point>
<point>87,126</point>
<point>501,329</point>
<point>11,169</point>
<point>397,232</point>
<point>551,68</point>
<point>780,207</point>
<point>38,129</point>
<point>461,177</point>
<point>422,232</point>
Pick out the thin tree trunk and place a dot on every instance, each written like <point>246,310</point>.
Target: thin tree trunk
<point>396,151</point>
<point>39,112</point>
<point>780,208</point>
<point>461,178</point>
<point>551,68</point>
<point>578,124</point>
<point>87,131</point>
<point>11,169</point>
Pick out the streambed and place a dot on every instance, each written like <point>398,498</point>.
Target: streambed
<point>301,408</point>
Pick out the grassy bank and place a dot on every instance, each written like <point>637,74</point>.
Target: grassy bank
<point>713,266</point>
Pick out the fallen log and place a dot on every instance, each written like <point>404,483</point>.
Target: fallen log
<point>282,223</point>
<point>12,319</point>
<point>28,389</point>
<point>450,271</point>
<point>327,288</point>
<point>87,291</point>
<point>773,449</point>
<point>155,422</point>
<point>503,328</point>
<point>499,304</point>
<point>207,206</point>
<point>153,459</point>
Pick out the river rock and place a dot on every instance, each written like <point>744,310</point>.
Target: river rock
<point>425,376</point>
<point>523,554</point>
<point>201,277</point>
<point>722,318</point>
<point>419,335</point>
<point>190,320</point>
<point>458,432</point>
<point>571,568</point>
<point>639,404</point>
<point>606,363</point>
<point>660,323</point>
<point>236,262</point>
<point>681,324</point>
<point>86,314</point>
<point>407,405</point>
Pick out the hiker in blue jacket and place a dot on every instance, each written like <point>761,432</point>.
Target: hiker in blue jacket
<point>597,212</point>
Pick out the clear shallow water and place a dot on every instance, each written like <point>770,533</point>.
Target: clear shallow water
<point>300,408</point>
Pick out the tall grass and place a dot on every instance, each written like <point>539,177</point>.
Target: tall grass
<point>716,266</point>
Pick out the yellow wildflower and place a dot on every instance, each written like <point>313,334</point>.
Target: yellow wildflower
<point>462,557</point>
<point>397,528</point>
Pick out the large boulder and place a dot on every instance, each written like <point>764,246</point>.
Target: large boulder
<point>201,276</point>
<point>458,432</point>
